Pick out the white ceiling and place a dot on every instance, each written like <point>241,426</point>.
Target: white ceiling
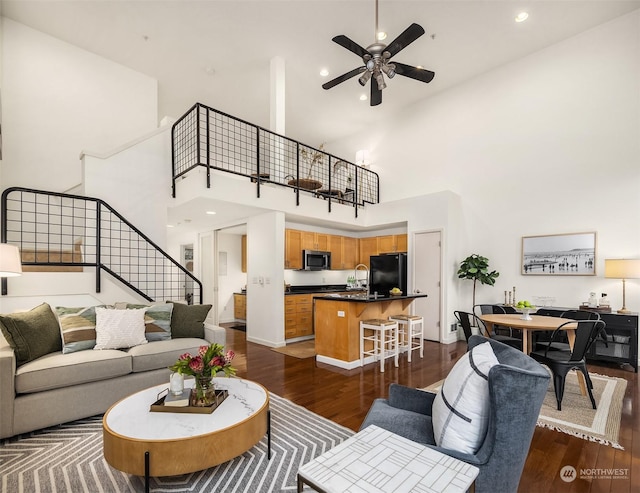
<point>179,41</point>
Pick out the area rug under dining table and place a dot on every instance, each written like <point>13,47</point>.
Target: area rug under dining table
<point>577,417</point>
<point>69,458</point>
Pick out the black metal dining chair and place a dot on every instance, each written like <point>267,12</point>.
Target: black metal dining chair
<point>511,339</point>
<point>561,361</point>
<point>543,338</point>
<point>465,318</point>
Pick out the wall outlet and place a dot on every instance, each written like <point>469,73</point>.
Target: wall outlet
<point>340,313</point>
<point>454,327</point>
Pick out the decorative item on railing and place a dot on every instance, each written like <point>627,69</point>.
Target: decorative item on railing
<point>310,158</point>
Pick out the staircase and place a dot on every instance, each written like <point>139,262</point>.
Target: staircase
<point>71,233</point>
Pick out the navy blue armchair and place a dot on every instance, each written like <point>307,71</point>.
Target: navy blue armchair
<point>517,386</point>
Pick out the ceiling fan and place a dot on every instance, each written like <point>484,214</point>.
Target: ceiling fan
<point>377,64</point>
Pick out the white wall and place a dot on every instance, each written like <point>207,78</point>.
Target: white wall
<point>265,258</point>
<point>136,182</point>
<point>548,144</point>
<point>59,99</point>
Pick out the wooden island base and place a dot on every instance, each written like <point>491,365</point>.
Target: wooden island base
<point>337,325</point>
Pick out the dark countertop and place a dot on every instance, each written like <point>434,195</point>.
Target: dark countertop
<point>321,288</point>
<point>315,289</point>
<point>358,298</point>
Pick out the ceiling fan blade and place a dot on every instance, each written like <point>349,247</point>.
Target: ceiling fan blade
<point>376,94</point>
<point>421,74</point>
<point>352,46</point>
<point>343,77</point>
<point>408,36</point>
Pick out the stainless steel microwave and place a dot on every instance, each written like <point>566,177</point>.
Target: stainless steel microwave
<point>315,260</point>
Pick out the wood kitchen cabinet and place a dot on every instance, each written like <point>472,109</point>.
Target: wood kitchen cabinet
<point>298,315</point>
<point>392,243</point>
<point>367,248</point>
<point>315,241</point>
<point>344,252</point>
<point>293,249</point>
<point>240,306</point>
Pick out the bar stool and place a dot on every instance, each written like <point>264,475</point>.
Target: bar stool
<point>384,339</point>
<point>410,327</point>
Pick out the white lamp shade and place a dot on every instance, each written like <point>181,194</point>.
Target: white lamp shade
<point>622,268</point>
<point>10,265</point>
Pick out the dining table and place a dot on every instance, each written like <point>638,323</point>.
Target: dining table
<point>529,325</point>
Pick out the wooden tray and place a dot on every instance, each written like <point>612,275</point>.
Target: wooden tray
<point>159,407</point>
<point>596,309</point>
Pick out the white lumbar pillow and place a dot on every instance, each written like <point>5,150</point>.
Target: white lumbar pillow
<point>117,329</point>
<point>461,409</point>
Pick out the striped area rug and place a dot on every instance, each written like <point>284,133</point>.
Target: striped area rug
<point>68,458</point>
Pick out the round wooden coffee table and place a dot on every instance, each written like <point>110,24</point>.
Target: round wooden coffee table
<point>145,443</point>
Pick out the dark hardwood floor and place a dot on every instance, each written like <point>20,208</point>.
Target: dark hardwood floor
<point>345,396</point>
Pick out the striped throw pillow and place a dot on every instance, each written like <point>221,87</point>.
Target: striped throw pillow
<point>461,409</point>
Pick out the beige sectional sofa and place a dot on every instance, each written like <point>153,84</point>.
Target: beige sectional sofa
<point>40,390</point>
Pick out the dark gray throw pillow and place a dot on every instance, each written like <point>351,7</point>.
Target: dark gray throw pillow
<point>32,334</point>
<point>188,320</point>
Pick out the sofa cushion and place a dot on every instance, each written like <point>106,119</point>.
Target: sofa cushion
<point>188,320</point>
<point>31,334</point>
<point>461,409</point>
<point>57,370</point>
<point>78,327</point>
<point>116,329</point>
<point>162,354</point>
<point>157,320</point>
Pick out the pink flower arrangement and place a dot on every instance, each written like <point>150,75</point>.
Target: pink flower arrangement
<point>207,363</point>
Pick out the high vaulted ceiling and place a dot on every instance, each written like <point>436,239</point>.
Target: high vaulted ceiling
<point>218,52</point>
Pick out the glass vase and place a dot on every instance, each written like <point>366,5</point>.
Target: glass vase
<point>205,392</point>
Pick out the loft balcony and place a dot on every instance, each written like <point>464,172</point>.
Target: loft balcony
<point>217,141</point>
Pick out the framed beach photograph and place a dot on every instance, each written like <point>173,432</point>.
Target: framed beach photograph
<point>559,255</point>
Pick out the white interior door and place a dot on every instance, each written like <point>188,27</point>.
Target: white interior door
<point>427,260</point>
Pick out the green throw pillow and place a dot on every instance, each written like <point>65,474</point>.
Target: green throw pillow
<point>32,334</point>
<point>188,320</point>
<point>157,321</point>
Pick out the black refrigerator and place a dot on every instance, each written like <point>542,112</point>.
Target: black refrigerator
<point>388,272</point>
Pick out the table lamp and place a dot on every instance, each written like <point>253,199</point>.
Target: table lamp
<point>622,269</point>
<point>10,264</point>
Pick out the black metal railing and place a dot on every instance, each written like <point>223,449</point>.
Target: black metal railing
<point>218,141</point>
<point>62,230</point>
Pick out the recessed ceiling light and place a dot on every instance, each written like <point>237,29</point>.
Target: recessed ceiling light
<point>522,16</point>
<point>363,97</point>
<point>324,72</point>
<point>170,226</point>
<point>382,35</point>
<point>211,213</point>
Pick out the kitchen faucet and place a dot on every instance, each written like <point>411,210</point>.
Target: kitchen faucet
<point>356,276</point>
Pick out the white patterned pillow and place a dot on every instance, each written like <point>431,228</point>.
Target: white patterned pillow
<point>117,329</point>
<point>461,409</point>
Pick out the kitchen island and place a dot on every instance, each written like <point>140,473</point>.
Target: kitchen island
<point>337,323</point>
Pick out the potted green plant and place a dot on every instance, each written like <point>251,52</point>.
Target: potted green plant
<point>476,268</point>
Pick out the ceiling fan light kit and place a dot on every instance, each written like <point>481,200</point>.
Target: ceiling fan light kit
<point>376,58</point>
